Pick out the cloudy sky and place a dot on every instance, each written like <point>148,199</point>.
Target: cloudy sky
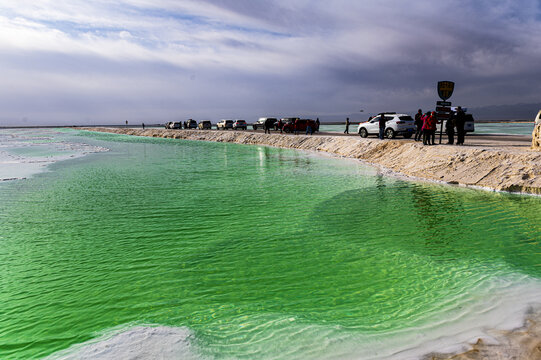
<point>106,61</point>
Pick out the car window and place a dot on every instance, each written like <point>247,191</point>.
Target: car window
<point>405,118</point>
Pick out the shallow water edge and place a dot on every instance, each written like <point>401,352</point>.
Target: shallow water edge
<point>500,168</point>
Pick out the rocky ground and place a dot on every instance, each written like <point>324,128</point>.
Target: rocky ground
<point>501,164</point>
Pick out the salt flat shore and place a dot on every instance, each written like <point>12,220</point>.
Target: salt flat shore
<point>502,164</point>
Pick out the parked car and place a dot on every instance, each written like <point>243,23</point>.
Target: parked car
<point>191,124</point>
<point>300,125</point>
<point>259,124</point>
<point>395,124</point>
<point>239,124</point>
<point>286,121</point>
<point>204,125</point>
<point>173,125</point>
<point>224,124</point>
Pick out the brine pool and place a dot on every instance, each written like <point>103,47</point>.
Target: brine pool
<point>130,246</point>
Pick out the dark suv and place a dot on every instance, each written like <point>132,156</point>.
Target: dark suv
<point>239,124</point>
<point>300,125</point>
<point>205,125</point>
<point>191,124</point>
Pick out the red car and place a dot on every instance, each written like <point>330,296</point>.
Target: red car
<point>300,125</point>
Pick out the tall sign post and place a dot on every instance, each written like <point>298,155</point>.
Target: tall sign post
<point>443,108</point>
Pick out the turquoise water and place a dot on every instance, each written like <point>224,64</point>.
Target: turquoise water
<point>480,128</point>
<point>247,252</point>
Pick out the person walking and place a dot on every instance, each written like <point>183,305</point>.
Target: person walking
<point>317,125</point>
<point>419,125</point>
<point>347,126</point>
<point>450,128</point>
<point>460,121</point>
<point>381,125</point>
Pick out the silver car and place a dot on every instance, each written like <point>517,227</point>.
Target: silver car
<point>395,124</point>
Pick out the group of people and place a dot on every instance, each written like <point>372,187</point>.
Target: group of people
<point>426,127</point>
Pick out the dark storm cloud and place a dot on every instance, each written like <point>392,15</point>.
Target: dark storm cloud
<point>166,59</point>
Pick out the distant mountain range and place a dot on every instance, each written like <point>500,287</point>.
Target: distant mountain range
<point>506,112</point>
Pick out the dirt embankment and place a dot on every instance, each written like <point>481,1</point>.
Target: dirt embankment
<point>536,138</point>
<point>498,167</point>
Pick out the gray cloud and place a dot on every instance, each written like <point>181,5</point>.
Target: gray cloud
<point>72,62</point>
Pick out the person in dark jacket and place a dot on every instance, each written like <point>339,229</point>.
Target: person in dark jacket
<point>381,126</point>
<point>450,128</point>
<point>267,125</point>
<point>347,126</point>
<point>317,125</point>
<point>460,121</point>
<point>419,125</point>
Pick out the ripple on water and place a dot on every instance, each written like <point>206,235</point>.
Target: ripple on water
<point>259,252</point>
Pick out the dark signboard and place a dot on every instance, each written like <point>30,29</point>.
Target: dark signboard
<point>445,89</point>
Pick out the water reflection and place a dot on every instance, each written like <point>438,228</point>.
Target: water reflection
<point>442,222</point>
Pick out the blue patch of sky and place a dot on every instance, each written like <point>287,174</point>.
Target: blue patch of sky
<point>73,28</point>
<point>197,20</point>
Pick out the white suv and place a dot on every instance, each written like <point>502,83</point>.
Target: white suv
<point>395,124</point>
<point>224,124</point>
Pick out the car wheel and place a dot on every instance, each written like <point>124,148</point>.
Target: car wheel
<point>389,133</point>
<point>363,133</point>
<point>407,135</point>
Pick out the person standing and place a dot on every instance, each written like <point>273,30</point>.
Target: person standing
<point>450,128</point>
<point>347,126</point>
<point>433,121</point>
<point>280,125</point>
<point>460,121</point>
<point>381,126</point>
<point>424,128</point>
<point>309,127</point>
<point>317,125</point>
<point>267,126</point>
<point>419,125</point>
<point>296,126</point>
<point>143,126</point>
